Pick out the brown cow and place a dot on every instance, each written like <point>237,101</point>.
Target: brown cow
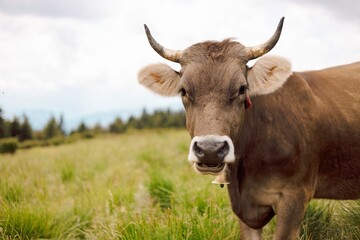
<point>300,140</point>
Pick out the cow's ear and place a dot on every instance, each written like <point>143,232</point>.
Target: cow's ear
<point>160,78</point>
<point>268,74</point>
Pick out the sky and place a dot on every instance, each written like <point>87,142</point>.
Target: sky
<point>81,58</point>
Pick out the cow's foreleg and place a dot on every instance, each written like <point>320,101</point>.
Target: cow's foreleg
<point>290,210</point>
<point>247,233</point>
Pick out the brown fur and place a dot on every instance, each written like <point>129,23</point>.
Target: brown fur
<point>300,140</point>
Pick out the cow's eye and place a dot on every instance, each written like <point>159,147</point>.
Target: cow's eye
<point>242,89</point>
<point>182,92</point>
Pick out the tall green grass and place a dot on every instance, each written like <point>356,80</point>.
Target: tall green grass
<point>133,186</point>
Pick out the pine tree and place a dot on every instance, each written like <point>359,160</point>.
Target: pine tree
<point>98,128</point>
<point>2,125</point>
<point>82,128</point>
<point>132,123</point>
<point>6,125</point>
<point>51,129</point>
<point>144,121</point>
<point>117,126</point>
<point>25,130</point>
<point>61,125</point>
<point>15,127</point>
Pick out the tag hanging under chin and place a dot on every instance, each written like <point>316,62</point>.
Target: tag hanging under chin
<point>248,103</point>
<point>221,180</point>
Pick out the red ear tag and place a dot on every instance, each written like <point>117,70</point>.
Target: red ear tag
<point>248,103</point>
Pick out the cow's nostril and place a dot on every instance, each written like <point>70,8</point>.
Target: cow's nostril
<point>223,150</point>
<point>197,150</point>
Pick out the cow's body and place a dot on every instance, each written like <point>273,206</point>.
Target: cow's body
<point>305,136</point>
<point>300,140</point>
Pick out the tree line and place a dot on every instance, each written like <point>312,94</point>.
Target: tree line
<point>157,119</point>
<point>20,132</point>
<point>21,129</point>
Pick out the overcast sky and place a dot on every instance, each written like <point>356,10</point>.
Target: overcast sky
<point>79,57</point>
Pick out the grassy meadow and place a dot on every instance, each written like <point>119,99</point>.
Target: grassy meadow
<point>137,185</point>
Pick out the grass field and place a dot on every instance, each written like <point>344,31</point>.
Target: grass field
<point>133,186</point>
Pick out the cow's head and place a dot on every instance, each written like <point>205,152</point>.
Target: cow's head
<point>215,86</point>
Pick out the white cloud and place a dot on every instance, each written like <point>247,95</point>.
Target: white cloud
<point>79,57</point>
<point>79,9</point>
<point>346,10</point>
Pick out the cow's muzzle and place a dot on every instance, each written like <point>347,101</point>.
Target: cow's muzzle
<point>211,153</point>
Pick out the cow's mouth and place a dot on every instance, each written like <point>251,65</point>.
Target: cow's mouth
<point>210,168</point>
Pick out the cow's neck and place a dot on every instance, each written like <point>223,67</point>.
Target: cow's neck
<point>275,126</point>
<point>291,108</point>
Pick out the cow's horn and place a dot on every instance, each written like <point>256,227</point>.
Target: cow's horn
<point>172,55</point>
<point>259,50</point>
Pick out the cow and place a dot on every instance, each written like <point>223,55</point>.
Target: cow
<point>280,138</point>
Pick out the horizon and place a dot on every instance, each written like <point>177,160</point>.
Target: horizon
<point>38,118</point>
